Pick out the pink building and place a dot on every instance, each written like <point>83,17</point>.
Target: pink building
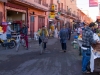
<point>30,12</point>
<point>36,13</point>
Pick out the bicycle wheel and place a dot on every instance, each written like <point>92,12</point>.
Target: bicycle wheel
<point>12,44</point>
<point>42,48</point>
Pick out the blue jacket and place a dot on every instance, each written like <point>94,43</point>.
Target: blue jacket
<point>63,34</point>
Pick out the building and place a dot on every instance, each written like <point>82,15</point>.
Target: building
<point>83,17</point>
<point>36,13</point>
<point>33,13</point>
<point>65,12</point>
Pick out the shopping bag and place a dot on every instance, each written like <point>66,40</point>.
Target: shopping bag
<point>45,40</point>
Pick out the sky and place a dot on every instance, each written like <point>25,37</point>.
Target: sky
<point>92,11</point>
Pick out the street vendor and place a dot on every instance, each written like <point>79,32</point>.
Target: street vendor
<point>87,38</point>
<point>9,30</point>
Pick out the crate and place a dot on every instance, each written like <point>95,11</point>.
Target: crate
<point>96,47</point>
<point>97,65</point>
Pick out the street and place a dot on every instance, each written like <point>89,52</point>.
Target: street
<point>30,62</point>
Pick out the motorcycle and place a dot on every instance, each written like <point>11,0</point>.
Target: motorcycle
<point>9,43</point>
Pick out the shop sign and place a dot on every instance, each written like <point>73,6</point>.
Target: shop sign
<point>52,15</point>
<point>93,3</point>
<point>53,7</point>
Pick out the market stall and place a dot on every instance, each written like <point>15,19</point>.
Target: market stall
<point>95,54</point>
<point>3,28</point>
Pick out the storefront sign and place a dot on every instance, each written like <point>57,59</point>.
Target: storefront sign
<point>53,7</point>
<point>93,3</point>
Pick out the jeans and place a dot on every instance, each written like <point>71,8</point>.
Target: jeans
<point>26,40</point>
<point>63,46</point>
<point>8,36</point>
<point>86,58</point>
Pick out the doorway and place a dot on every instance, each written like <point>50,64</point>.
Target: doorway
<point>32,26</point>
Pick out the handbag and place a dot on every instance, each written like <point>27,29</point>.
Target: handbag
<point>45,40</point>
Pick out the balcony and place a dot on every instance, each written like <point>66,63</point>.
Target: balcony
<point>68,13</point>
<point>63,12</point>
<point>38,4</point>
<point>38,1</point>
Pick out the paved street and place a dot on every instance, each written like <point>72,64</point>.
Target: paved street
<point>30,62</point>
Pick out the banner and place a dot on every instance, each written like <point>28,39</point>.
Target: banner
<point>93,3</point>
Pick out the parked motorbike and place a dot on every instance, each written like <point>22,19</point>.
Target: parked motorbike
<point>9,43</point>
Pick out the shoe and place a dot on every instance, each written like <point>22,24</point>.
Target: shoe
<point>64,50</point>
<point>61,51</point>
<point>26,48</point>
<point>86,71</point>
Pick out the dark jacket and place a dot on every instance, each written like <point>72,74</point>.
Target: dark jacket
<point>24,30</point>
<point>63,34</point>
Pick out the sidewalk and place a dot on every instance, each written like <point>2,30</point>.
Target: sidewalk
<point>33,47</point>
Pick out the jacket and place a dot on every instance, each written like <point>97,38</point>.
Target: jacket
<point>9,30</point>
<point>43,33</point>
<point>87,37</point>
<point>24,30</point>
<point>63,34</point>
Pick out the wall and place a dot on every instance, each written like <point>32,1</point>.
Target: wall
<point>36,14</point>
<point>2,10</point>
<point>37,4</point>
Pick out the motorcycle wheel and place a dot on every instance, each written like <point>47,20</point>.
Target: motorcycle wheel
<point>12,44</point>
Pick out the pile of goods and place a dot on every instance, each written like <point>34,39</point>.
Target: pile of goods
<point>1,29</point>
<point>80,37</point>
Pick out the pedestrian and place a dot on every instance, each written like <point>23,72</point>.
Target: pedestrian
<point>69,33</point>
<point>87,37</point>
<point>78,31</point>
<point>24,34</point>
<point>63,35</point>
<point>9,31</point>
<point>43,33</point>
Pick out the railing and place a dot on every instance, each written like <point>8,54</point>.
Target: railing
<point>68,13</point>
<point>63,11</point>
<point>41,3</point>
<point>37,1</point>
<point>46,5</point>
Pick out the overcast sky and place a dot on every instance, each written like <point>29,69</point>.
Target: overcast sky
<point>84,5</point>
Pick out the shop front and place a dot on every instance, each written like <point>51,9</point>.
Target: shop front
<point>16,15</point>
<point>37,19</point>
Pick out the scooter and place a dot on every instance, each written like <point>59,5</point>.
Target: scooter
<point>9,43</point>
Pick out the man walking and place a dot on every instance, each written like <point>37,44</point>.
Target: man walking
<point>24,34</point>
<point>63,34</point>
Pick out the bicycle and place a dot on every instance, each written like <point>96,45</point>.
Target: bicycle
<point>42,49</point>
<point>20,42</point>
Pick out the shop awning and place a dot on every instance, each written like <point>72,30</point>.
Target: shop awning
<point>3,1</point>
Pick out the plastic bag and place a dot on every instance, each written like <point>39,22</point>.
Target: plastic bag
<point>96,37</point>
